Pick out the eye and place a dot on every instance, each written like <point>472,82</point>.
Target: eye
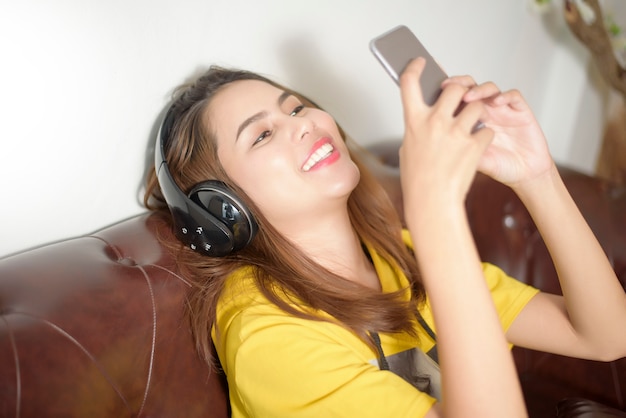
<point>296,110</point>
<point>261,137</point>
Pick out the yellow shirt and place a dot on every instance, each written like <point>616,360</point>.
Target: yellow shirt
<point>282,366</point>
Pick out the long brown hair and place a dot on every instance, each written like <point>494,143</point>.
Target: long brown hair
<point>283,273</point>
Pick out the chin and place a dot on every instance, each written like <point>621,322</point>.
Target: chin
<point>346,184</point>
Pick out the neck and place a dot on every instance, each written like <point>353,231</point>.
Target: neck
<point>333,243</point>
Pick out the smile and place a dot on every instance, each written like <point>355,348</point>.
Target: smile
<point>320,154</point>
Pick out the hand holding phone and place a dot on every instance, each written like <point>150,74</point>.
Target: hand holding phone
<point>396,48</point>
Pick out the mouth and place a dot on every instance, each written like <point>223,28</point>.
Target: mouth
<point>320,154</point>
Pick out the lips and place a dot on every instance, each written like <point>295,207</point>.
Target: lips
<point>321,151</point>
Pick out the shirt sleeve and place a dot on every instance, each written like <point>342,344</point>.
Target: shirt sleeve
<point>509,295</point>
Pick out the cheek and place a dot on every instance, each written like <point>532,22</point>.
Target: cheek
<point>263,177</point>
<point>327,122</point>
<point>272,199</point>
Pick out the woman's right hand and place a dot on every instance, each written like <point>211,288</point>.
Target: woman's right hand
<point>440,152</point>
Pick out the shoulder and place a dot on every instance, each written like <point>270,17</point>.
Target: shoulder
<point>496,278</point>
<point>243,311</point>
<point>242,296</point>
<point>510,295</point>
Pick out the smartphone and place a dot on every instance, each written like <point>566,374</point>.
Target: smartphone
<point>396,48</point>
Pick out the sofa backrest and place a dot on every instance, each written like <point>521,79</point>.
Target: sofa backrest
<point>94,327</point>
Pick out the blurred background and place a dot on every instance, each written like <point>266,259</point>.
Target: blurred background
<point>84,83</point>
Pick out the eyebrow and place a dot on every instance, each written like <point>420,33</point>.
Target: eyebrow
<point>260,115</point>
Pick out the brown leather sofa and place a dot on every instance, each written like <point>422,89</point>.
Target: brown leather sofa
<point>94,326</point>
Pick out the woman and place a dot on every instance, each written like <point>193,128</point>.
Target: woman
<point>329,309</point>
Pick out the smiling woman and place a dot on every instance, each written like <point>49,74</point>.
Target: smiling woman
<point>275,154</point>
<point>327,283</point>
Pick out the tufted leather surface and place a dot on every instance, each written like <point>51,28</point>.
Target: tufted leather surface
<point>94,326</point>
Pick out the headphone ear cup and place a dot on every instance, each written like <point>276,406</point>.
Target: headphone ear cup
<point>227,210</point>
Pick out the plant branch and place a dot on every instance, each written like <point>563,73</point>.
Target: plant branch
<point>596,39</point>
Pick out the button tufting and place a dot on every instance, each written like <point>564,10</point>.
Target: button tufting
<point>509,221</point>
<point>127,262</point>
<point>114,253</point>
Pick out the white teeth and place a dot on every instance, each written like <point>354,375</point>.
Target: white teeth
<point>322,152</point>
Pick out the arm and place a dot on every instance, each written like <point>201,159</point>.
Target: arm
<point>587,321</point>
<point>438,160</point>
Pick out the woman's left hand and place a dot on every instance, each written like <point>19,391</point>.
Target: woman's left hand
<point>519,151</point>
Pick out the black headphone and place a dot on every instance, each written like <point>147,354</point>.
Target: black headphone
<point>211,219</point>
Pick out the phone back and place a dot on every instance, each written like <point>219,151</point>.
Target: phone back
<point>396,48</point>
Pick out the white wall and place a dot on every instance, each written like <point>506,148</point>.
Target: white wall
<point>83,83</point>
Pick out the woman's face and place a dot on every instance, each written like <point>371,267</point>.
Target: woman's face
<point>289,159</point>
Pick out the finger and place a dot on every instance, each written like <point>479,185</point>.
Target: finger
<point>410,89</point>
<point>464,80</point>
<point>451,99</point>
<point>476,91</point>
<point>481,92</point>
<point>512,98</point>
<point>470,116</point>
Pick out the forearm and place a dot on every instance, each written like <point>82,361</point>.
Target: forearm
<point>476,364</point>
<point>595,300</point>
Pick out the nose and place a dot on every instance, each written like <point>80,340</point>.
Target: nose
<point>302,126</point>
